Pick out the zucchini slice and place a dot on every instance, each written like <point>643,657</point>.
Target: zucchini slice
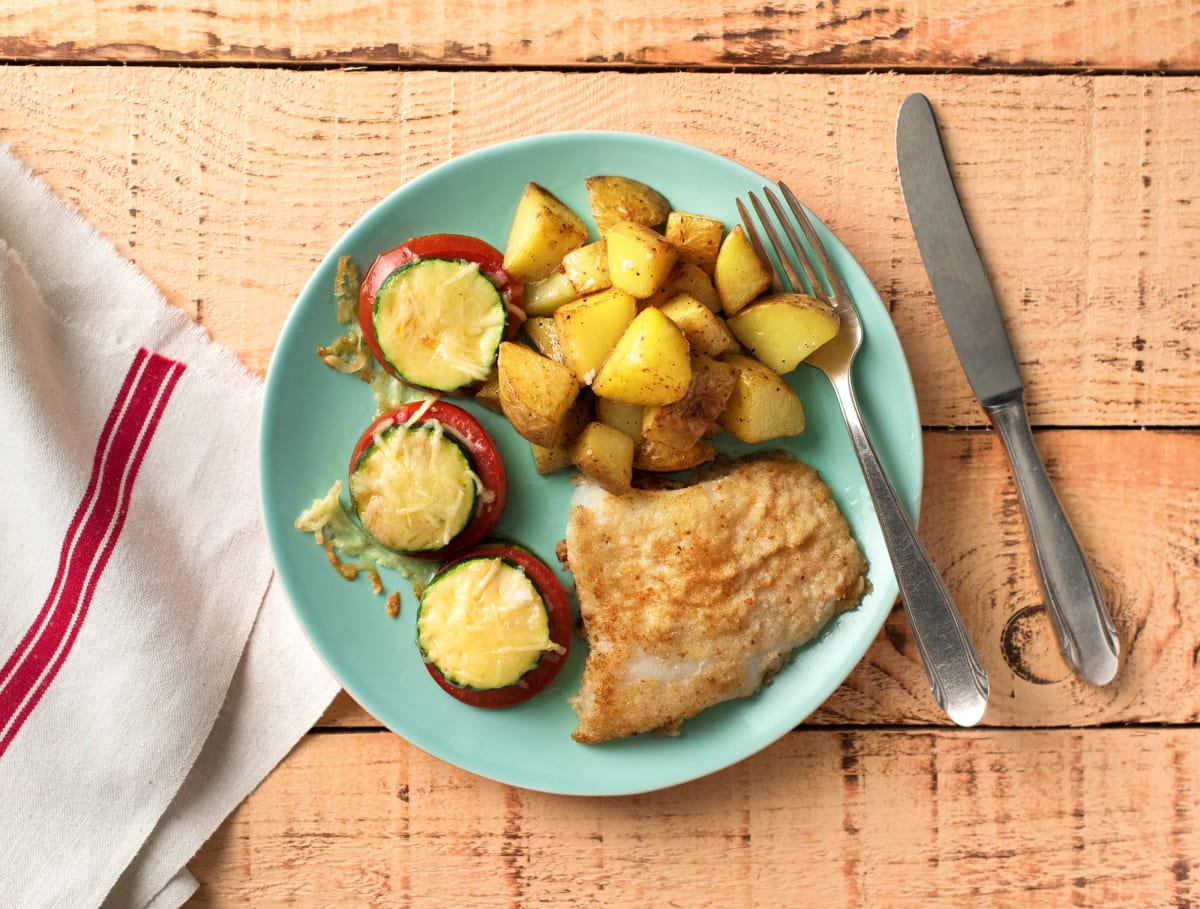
<point>482,623</point>
<point>439,323</point>
<point>414,489</point>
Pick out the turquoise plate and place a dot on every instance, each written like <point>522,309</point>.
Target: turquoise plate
<point>312,417</point>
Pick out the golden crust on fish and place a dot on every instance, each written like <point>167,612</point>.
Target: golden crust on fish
<point>694,596</point>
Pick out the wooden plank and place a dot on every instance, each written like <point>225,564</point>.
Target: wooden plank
<point>1154,35</point>
<point>186,171</point>
<point>1133,499</point>
<point>227,186</point>
<point>1146,564</point>
<point>993,818</point>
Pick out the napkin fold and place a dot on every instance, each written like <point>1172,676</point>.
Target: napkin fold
<point>151,672</point>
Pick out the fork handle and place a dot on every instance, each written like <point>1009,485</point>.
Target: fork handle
<point>1073,602</point>
<point>956,678</point>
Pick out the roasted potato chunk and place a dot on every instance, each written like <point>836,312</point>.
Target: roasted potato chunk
<point>761,406</point>
<point>606,455</point>
<point>696,237</point>
<point>550,460</point>
<point>659,458</point>
<point>488,393</point>
<point>639,259</point>
<point>625,417</point>
<point>650,363</point>
<point>587,268</point>
<point>558,456</point>
<point>686,278</point>
<point>535,393</point>
<point>782,329</point>
<point>614,199</point>
<point>705,331</point>
<point>740,275</point>
<point>544,296</point>
<point>589,328</point>
<point>544,335</point>
<point>683,423</point>
<point>543,230</point>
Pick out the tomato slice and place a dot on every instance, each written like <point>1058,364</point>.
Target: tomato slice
<point>558,609</point>
<point>439,246</point>
<point>485,461</point>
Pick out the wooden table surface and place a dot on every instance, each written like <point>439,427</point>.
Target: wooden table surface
<point>224,145</point>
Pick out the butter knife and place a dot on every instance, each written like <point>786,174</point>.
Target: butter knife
<point>964,295</point>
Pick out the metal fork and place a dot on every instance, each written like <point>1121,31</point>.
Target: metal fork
<point>956,678</point>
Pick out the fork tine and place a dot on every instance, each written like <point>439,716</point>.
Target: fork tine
<point>756,241</point>
<point>748,223</point>
<point>839,292</point>
<point>813,282</point>
<point>789,276</point>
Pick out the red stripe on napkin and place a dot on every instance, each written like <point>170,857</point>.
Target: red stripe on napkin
<point>89,540</point>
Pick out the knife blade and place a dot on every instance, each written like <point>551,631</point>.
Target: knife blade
<point>968,306</point>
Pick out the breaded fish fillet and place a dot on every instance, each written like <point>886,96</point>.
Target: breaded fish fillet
<point>693,596</point>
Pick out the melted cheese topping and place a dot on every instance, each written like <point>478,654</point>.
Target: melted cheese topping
<point>331,526</point>
<point>483,624</point>
<point>414,489</point>
<point>440,322</point>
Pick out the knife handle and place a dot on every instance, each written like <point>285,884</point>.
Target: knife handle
<point>1085,634</point>
<point>957,680</point>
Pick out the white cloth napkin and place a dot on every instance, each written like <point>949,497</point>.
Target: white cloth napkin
<point>151,672</point>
